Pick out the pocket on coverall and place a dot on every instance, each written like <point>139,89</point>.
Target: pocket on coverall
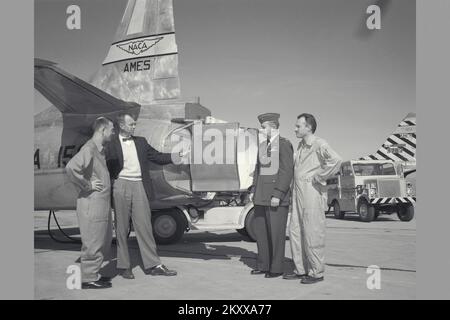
<point>99,209</point>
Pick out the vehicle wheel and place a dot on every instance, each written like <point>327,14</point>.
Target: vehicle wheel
<point>377,214</point>
<point>366,211</point>
<point>168,226</point>
<point>249,231</point>
<point>406,212</point>
<point>243,232</point>
<point>338,214</point>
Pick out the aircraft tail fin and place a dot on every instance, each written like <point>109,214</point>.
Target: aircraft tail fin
<point>142,62</point>
<point>400,146</point>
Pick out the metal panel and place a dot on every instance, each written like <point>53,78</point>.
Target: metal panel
<point>58,194</point>
<point>388,187</point>
<point>221,174</point>
<point>247,155</point>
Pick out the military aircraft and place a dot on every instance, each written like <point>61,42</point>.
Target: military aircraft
<point>140,75</point>
<point>400,146</point>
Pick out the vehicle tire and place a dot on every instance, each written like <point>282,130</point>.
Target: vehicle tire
<point>366,211</point>
<point>248,231</point>
<point>243,232</point>
<point>168,226</point>
<point>338,214</point>
<point>377,214</point>
<point>405,212</point>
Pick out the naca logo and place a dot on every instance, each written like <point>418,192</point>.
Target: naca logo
<point>136,47</point>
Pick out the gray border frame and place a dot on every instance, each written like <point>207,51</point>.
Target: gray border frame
<point>433,70</point>
<point>16,226</point>
<point>432,96</point>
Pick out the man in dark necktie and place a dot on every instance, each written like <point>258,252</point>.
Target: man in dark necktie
<point>272,180</point>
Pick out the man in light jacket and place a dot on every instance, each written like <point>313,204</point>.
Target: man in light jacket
<point>88,171</point>
<point>314,163</point>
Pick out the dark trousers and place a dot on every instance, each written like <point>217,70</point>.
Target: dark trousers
<point>270,228</point>
<point>130,201</point>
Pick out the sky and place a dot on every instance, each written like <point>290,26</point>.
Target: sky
<point>247,57</point>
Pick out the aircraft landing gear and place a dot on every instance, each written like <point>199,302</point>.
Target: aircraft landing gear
<point>248,230</point>
<point>168,226</point>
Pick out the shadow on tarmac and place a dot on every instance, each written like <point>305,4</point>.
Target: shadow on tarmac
<point>355,217</point>
<point>203,246</point>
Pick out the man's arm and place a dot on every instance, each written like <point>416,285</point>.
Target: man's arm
<point>154,155</point>
<point>285,171</point>
<point>330,163</point>
<point>76,166</point>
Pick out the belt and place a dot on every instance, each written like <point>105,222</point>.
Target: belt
<point>139,178</point>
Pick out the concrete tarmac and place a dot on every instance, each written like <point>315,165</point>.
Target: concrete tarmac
<point>216,265</point>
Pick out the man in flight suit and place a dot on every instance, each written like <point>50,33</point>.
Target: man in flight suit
<point>272,180</point>
<point>88,171</point>
<point>315,162</point>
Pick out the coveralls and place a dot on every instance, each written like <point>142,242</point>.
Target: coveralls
<point>93,208</point>
<point>314,162</point>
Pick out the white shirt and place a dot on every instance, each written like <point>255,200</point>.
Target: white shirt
<point>272,139</point>
<point>131,168</point>
<point>263,138</point>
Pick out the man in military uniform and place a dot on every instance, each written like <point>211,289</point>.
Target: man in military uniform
<point>272,180</point>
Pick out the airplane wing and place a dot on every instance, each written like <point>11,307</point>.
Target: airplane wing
<point>79,102</point>
<point>72,95</point>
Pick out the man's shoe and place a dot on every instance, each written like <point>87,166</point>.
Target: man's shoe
<point>311,280</point>
<point>256,271</point>
<point>161,270</point>
<point>272,275</point>
<point>96,285</point>
<point>127,274</point>
<point>294,276</point>
<point>105,279</point>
